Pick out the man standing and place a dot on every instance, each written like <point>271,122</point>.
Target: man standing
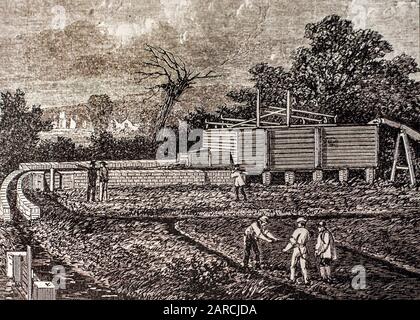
<point>298,242</point>
<point>257,230</point>
<point>239,181</point>
<point>325,250</point>
<point>103,181</point>
<point>92,175</point>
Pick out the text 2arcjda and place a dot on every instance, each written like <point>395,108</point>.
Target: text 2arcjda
<point>218,309</point>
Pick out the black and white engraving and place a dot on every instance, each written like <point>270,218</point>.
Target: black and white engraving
<point>196,150</point>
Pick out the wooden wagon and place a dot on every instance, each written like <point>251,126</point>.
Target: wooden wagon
<point>263,147</point>
<point>295,149</point>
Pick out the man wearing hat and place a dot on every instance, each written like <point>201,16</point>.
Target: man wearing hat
<point>103,181</point>
<point>298,242</point>
<point>325,250</point>
<point>257,230</point>
<point>239,181</point>
<point>92,173</point>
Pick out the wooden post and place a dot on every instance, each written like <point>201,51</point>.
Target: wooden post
<point>396,154</point>
<point>289,177</point>
<point>318,147</point>
<point>408,158</point>
<point>52,179</point>
<point>266,177</point>
<point>29,266</point>
<point>317,175</point>
<point>258,108</point>
<point>288,109</point>
<point>370,175</point>
<point>343,175</point>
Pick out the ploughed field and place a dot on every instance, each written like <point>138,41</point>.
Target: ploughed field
<point>382,280</point>
<point>146,258</point>
<point>310,199</point>
<point>186,242</point>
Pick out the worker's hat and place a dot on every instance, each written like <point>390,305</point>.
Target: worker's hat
<point>263,219</point>
<point>301,220</point>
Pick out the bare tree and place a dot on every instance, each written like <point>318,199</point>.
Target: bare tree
<point>175,78</point>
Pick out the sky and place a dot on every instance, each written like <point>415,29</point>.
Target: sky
<point>60,51</point>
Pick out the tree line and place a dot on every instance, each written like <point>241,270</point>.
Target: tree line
<point>343,71</point>
<point>20,126</point>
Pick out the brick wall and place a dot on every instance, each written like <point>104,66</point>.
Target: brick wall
<point>5,212</point>
<point>147,178</point>
<point>218,177</point>
<point>124,164</point>
<point>29,210</point>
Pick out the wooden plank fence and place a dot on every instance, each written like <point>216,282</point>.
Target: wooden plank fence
<point>19,268</point>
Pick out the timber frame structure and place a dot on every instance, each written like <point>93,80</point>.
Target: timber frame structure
<point>404,133</point>
<point>288,113</point>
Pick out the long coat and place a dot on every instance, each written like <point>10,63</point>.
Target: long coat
<point>325,245</point>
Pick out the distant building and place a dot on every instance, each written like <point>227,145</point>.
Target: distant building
<point>72,123</point>
<point>124,126</point>
<point>62,120</point>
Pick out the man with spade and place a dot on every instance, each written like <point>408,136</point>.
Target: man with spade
<point>298,242</point>
<point>255,232</point>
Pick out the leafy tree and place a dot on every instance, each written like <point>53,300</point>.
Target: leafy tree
<point>198,117</point>
<point>344,72</point>
<point>19,128</point>
<point>103,145</point>
<point>272,82</point>
<point>64,149</point>
<point>100,108</point>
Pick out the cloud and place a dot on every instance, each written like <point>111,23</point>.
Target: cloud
<point>59,20</point>
<point>183,37</point>
<point>126,32</point>
<point>176,11</point>
<point>246,4</point>
<point>55,54</point>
